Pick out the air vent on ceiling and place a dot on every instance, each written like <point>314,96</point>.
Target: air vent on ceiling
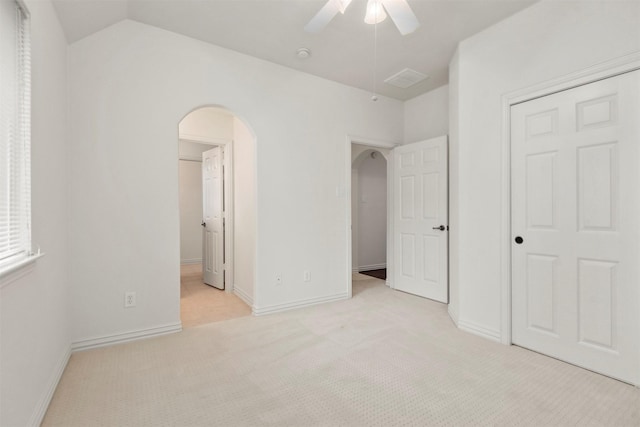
<point>405,78</point>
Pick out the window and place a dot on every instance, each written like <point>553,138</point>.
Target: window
<point>15,135</point>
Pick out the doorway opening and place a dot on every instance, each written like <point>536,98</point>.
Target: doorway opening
<point>217,222</point>
<point>417,215</point>
<point>369,211</point>
<point>370,214</point>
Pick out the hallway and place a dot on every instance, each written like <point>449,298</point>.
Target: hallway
<point>201,304</point>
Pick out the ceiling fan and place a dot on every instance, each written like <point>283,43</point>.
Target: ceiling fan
<point>398,10</point>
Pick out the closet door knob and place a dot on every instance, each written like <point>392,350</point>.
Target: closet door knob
<point>441,228</point>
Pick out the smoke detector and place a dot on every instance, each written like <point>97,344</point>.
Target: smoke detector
<point>406,78</point>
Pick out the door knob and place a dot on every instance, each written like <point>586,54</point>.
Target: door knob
<point>204,224</point>
<point>519,240</point>
<point>441,228</point>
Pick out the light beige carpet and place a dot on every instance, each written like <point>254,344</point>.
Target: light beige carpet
<point>201,304</point>
<point>383,358</point>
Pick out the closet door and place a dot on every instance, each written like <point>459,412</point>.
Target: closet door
<point>575,225</point>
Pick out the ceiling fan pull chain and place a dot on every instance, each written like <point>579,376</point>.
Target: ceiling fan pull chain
<point>375,58</point>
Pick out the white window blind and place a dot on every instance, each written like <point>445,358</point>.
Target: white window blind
<point>15,136</point>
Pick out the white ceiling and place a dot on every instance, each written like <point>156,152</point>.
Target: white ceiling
<point>273,30</point>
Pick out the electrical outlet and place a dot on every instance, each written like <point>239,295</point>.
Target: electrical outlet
<point>278,278</point>
<point>307,276</point>
<point>129,299</point>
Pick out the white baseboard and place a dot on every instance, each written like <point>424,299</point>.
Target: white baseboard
<point>453,314</point>
<point>482,331</point>
<point>191,261</point>
<point>243,296</point>
<point>45,400</point>
<point>125,337</point>
<point>372,267</point>
<point>259,311</point>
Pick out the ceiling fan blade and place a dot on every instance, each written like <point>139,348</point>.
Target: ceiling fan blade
<point>323,17</point>
<point>402,15</point>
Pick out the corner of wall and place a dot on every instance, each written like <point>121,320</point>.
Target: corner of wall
<point>44,401</point>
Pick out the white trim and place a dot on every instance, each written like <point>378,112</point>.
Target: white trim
<point>259,311</point>
<point>256,255</point>
<point>505,224</point>
<point>390,218</point>
<point>594,73</point>
<point>355,214</point>
<point>122,337</point>
<point>45,399</point>
<point>191,261</point>
<point>229,216</point>
<point>372,267</point>
<point>17,270</point>
<point>353,139</point>
<point>597,72</point>
<point>371,142</point>
<point>203,139</point>
<point>476,329</point>
<point>453,314</point>
<point>240,293</point>
<point>187,158</point>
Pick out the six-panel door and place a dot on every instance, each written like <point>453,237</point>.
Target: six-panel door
<point>421,219</point>
<point>212,238</point>
<point>575,204</point>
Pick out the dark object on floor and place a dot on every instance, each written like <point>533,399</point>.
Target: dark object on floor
<point>378,274</point>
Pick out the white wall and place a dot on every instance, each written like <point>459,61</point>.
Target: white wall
<point>129,86</point>
<point>427,116</point>
<point>372,212</point>
<point>548,40</point>
<point>244,181</point>
<point>35,310</point>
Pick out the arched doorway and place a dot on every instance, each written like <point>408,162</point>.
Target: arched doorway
<point>369,210</point>
<point>217,222</point>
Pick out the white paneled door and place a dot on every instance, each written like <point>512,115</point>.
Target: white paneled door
<point>575,226</point>
<point>213,220</point>
<point>421,219</point>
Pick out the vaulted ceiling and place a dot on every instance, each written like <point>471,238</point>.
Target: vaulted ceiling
<point>273,30</point>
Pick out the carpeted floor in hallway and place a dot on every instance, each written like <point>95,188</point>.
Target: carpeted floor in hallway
<point>201,304</point>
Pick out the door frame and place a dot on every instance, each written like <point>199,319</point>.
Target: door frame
<point>374,144</point>
<point>356,163</point>
<point>227,163</point>
<point>592,74</point>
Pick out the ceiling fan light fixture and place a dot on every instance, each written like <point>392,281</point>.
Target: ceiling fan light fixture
<point>375,12</point>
